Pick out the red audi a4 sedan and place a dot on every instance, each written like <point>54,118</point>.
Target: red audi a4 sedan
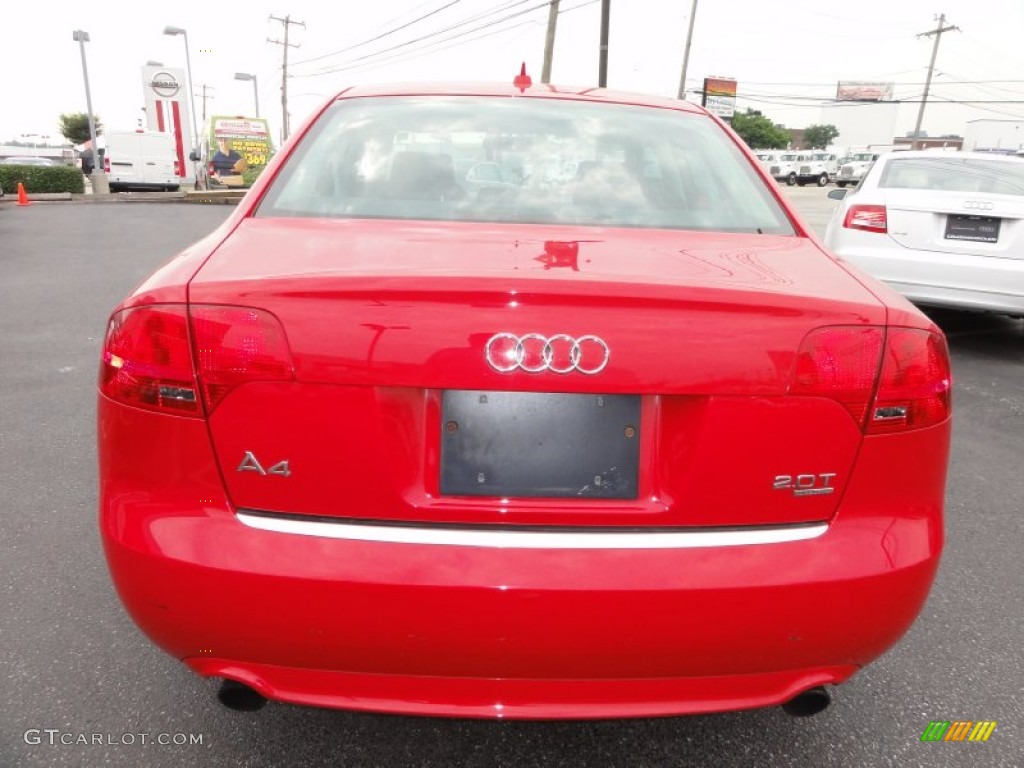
<point>525,402</point>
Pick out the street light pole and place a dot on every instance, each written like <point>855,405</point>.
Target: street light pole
<point>255,88</point>
<point>191,94</point>
<point>98,178</point>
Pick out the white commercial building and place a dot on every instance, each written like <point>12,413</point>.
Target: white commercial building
<point>994,135</point>
<point>862,125</point>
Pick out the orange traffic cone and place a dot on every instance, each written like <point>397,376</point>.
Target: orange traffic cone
<point>22,196</point>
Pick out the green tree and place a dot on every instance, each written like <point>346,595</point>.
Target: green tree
<point>820,136</point>
<point>758,131</point>
<point>74,126</point>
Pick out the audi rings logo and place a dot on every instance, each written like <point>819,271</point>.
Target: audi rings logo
<point>533,353</point>
<point>978,205</point>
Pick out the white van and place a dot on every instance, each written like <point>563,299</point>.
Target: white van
<point>141,160</point>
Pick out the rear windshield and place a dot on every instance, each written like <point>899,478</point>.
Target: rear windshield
<point>954,174</point>
<point>542,161</point>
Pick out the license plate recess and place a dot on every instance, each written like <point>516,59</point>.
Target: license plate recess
<point>978,229</point>
<point>539,445</point>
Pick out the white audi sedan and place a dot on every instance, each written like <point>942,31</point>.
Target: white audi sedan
<point>943,229</point>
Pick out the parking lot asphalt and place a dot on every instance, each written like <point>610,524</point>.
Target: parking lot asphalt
<point>813,204</point>
<point>74,666</point>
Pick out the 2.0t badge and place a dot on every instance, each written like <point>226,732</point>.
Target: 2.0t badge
<point>806,485</point>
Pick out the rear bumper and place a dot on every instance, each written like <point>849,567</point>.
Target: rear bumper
<point>962,281</point>
<point>146,186</point>
<point>960,298</point>
<point>519,698</point>
<point>452,630</point>
<point>516,631</point>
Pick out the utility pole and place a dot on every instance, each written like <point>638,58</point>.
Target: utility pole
<point>937,32</point>
<point>287,22</point>
<point>686,53</point>
<point>204,97</point>
<point>549,41</point>
<point>602,69</point>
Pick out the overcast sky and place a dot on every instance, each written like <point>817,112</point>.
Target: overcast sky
<point>785,55</point>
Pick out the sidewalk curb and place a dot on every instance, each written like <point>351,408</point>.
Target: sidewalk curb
<point>208,198</point>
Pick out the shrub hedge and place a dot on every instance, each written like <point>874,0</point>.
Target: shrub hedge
<point>38,178</point>
<point>250,174</point>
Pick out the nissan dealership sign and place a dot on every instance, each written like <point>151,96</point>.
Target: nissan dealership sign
<point>164,84</point>
<point>168,110</point>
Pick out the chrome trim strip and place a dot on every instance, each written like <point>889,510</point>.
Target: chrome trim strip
<point>536,539</point>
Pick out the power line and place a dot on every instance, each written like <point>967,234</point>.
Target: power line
<point>436,34</point>
<point>380,36</point>
<point>462,23</point>
<point>355,63</point>
<point>403,14</point>
<point>1018,115</point>
<point>950,79</point>
<point>795,101</point>
<point>437,47</point>
<point>909,82</point>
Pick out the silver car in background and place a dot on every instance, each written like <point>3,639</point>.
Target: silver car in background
<point>943,229</point>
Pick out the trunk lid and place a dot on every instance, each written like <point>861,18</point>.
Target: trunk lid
<point>382,318</point>
<point>957,222</point>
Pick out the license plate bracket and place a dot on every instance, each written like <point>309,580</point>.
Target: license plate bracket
<point>539,445</point>
<point>977,229</point>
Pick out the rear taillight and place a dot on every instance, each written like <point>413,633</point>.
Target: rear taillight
<point>236,345</point>
<point>147,361</point>
<point>871,218</point>
<point>150,362</point>
<point>888,381</point>
<point>841,363</point>
<point>915,384</point>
